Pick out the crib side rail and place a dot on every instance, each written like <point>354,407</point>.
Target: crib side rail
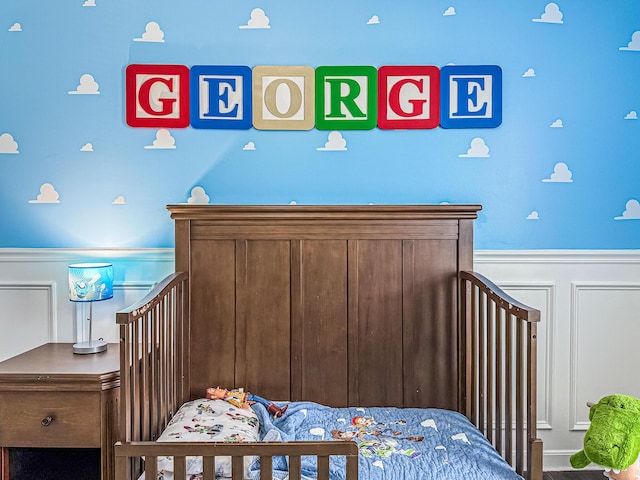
<point>154,379</point>
<point>124,452</point>
<point>498,348</point>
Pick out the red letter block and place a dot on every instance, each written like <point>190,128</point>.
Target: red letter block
<point>408,97</point>
<point>157,96</point>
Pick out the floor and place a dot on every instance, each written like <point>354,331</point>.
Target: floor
<point>574,475</point>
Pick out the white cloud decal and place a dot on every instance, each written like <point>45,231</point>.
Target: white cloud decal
<point>87,147</point>
<point>198,195</point>
<point>557,124</point>
<point>478,149</point>
<point>47,194</point>
<point>561,174</point>
<point>552,14</point>
<point>8,144</point>
<point>152,33</point>
<point>119,200</point>
<point>632,115</point>
<point>374,20</point>
<point>16,27</point>
<point>449,11</point>
<point>335,143</point>
<point>533,216</point>
<point>163,140</point>
<point>87,86</point>
<point>631,212</point>
<point>258,20</point>
<point>634,44</point>
<point>249,146</point>
<point>529,73</point>
<point>89,3</point>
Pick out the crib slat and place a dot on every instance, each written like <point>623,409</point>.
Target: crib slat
<point>474,355</point>
<point>520,391</point>
<point>295,468</point>
<point>323,467</point>
<point>151,466</point>
<point>266,466</point>
<point>508,391</point>
<point>534,447</point>
<point>352,467</point>
<point>209,468</point>
<point>490,369</point>
<point>180,468</point>
<point>499,324</point>
<point>237,468</point>
<point>482,355</point>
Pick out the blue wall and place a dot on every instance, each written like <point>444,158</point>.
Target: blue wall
<point>561,172</point>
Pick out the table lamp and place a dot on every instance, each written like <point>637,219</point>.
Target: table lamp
<point>90,282</point>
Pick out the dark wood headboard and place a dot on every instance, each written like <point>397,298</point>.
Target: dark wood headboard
<point>342,305</point>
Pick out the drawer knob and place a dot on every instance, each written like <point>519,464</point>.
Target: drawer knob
<point>46,421</point>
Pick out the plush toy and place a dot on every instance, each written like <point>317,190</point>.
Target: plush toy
<point>612,441</point>
<point>241,399</point>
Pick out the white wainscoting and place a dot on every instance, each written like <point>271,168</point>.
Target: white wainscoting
<point>588,334</point>
<point>34,294</point>
<point>590,322</point>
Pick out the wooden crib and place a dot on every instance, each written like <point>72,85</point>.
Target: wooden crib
<point>326,304</point>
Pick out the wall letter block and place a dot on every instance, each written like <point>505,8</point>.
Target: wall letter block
<point>157,96</point>
<point>408,97</point>
<point>221,97</point>
<point>471,96</point>
<point>283,98</point>
<point>346,98</point>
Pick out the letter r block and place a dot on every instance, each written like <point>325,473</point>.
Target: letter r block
<point>471,96</point>
<point>346,98</point>
<point>157,96</point>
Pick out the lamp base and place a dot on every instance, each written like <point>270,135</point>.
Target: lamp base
<point>93,346</point>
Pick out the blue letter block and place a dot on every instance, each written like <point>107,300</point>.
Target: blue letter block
<point>470,96</point>
<point>221,97</point>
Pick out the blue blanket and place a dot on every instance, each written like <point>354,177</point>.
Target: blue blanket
<point>393,443</point>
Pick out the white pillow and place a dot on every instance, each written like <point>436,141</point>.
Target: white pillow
<point>205,420</point>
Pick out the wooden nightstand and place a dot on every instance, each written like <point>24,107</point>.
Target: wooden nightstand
<point>51,398</point>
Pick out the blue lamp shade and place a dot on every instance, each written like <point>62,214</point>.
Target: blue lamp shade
<point>90,282</point>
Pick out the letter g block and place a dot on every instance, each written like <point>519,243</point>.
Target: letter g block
<point>157,96</point>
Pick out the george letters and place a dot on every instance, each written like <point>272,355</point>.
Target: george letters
<point>301,97</point>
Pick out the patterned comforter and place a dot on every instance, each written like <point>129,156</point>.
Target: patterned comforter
<point>394,443</point>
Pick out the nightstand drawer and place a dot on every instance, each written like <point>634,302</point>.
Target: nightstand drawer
<point>50,419</point>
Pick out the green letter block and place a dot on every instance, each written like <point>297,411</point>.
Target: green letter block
<point>346,98</point>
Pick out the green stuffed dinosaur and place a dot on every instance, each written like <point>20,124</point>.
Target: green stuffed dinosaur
<point>612,440</point>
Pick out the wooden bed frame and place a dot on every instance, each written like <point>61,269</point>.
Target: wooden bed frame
<point>341,305</point>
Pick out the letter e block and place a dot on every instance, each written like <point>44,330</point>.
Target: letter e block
<point>471,96</point>
<point>221,97</point>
